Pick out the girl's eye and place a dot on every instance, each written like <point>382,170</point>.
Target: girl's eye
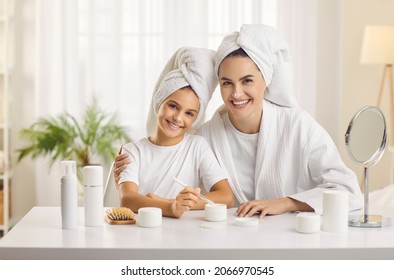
<point>246,81</point>
<point>171,105</point>
<point>226,83</point>
<point>190,114</point>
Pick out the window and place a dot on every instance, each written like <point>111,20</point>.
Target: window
<point>123,45</point>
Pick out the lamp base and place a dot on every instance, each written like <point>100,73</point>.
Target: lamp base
<point>369,221</point>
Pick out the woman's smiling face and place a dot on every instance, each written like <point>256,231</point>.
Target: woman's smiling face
<point>242,87</point>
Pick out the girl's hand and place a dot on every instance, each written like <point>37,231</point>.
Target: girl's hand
<point>184,201</point>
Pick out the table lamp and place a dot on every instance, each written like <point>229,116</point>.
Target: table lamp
<point>378,48</point>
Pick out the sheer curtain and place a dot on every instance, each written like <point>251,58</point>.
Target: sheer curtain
<point>116,50</point>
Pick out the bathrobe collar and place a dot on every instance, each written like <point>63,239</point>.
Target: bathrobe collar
<point>221,147</point>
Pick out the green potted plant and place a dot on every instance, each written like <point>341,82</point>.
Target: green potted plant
<point>65,138</point>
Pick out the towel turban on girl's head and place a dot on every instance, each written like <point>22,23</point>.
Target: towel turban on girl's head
<point>271,54</point>
<point>187,67</point>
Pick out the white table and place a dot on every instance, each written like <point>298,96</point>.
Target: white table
<point>39,236</point>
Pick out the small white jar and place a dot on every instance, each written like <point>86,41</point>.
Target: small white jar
<point>215,212</point>
<point>308,222</point>
<point>149,217</point>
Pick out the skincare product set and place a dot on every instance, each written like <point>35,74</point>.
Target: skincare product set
<point>93,195</point>
<point>214,214</point>
<point>94,201</point>
<point>335,214</point>
<point>93,204</point>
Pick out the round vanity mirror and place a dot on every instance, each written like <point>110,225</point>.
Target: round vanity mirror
<point>366,136</point>
<point>366,140</point>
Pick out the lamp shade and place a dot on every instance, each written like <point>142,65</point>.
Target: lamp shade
<point>378,44</point>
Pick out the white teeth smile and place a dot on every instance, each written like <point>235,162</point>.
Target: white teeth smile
<point>240,103</point>
<point>174,126</point>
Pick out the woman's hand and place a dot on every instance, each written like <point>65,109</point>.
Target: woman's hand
<point>184,201</point>
<point>271,207</point>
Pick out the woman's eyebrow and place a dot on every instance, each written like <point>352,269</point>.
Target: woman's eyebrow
<point>247,76</point>
<point>173,101</point>
<point>240,79</point>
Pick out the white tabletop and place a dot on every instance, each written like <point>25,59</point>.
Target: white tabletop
<point>39,236</point>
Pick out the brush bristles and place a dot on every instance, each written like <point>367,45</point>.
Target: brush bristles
<point>120,214</point>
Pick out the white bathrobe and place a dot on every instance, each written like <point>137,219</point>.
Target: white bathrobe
<point>295,158</point>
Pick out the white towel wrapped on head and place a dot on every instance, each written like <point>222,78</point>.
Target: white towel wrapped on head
<point>271,54</point>
<point>187,67</point>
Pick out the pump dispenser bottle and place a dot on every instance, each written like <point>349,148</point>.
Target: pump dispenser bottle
<point>93,195</point>
<point>69,195</point>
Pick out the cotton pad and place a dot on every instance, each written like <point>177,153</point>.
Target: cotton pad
<point>247,222</point>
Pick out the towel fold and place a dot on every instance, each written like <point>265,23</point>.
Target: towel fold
<point>187,67</point>
<point>271,54</point>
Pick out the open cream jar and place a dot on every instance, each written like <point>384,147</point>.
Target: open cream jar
<point>215,212</point>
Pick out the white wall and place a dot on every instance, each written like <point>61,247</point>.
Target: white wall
<point>360,83</point>
<point>328,76</point>
<point>343,84</point>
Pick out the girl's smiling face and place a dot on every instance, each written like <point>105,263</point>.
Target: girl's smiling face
<point>176,115</point>
<point>242,87</point>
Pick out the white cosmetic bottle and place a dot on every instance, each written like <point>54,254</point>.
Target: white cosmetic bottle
<point>69,196</point>
<point>93,195</point>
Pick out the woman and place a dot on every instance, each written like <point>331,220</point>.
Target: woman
<point>278,158</point>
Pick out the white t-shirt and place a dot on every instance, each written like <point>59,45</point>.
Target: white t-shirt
<point>243,150</point>
<point>153,167</point>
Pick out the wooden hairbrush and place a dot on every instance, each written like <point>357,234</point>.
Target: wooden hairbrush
<point>119,216</point>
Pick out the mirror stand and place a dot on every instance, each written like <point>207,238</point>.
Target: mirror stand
<point>366,140</point>
<point>366,220</point>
